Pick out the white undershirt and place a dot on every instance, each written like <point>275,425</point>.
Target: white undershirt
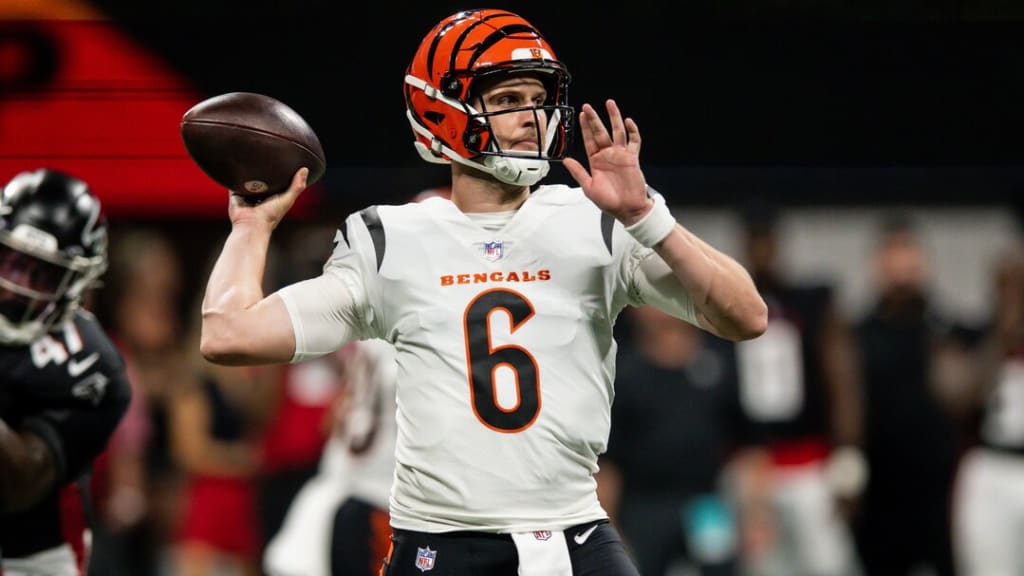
<point>491,221</point>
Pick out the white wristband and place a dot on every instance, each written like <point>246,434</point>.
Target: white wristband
<point>655,225</point>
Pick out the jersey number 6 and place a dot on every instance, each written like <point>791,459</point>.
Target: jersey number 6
<point>484,360</point>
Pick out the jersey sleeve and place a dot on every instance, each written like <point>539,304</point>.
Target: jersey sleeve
<point>333,309</point>
<point>79,429</point>
<point>652,282</point>
<point>646,279</point>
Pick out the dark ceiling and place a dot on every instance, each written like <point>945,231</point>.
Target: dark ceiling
<point>712,84</point>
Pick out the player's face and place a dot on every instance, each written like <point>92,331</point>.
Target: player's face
<point>902,265</point>
<point>26,281</point>
<point>27,273</point>
<point>522,127</point>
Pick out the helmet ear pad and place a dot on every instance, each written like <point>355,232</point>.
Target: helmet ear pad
<point>476,138</point>
<point>451,86</point>
<point>471,139</point>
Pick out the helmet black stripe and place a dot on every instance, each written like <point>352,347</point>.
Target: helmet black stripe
<point>376,229</point>
<point>458,43</point>
<point>435,42</point>
<point>498,35</point>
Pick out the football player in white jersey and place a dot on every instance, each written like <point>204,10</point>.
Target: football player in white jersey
<point>500,303</point>
<point>337,525</point>
<point>988,502</point>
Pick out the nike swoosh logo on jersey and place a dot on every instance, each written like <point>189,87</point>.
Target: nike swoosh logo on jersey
<point>76,369</point>
<point>581,537</point>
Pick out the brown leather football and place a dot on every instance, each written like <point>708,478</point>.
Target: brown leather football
<point>251,143</point>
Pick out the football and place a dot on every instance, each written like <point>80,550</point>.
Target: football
<point>251,143</point>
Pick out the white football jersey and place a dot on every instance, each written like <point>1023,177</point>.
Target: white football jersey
<point>369,434</point>
<point>358,461</point>
<point>504,350</point>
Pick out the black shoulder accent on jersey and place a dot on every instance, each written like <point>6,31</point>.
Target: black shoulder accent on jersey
<point>373,224</point>
<point>344,232</point>
<point>607,224</point>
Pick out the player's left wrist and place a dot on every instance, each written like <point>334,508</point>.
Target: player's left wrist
<point>655,224</point>
<point>634,215</point>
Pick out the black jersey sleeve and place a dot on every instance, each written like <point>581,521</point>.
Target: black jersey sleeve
<point>75,405</point>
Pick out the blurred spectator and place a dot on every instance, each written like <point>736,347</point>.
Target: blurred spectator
<point>800,470</point>
<point>989,497</point>
<point>216,417</point>
<point>213,434</point>
<point>300,398</point>
<point>296,431</point>
<point>338,524</point>
<point>659,477</point>
<point>137,482</point>
<point>908,353</point>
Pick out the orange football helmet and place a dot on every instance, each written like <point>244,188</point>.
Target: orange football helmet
<point>439,89</point>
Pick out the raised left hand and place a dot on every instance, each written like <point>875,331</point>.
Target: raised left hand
<point>615,182</point>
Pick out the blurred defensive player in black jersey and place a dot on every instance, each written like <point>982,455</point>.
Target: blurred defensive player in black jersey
<point>63,389</point>
<point>800,471</point>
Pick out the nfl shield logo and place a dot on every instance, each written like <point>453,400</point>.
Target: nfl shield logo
<point>494,250</point>
<point>425,558</point>
<point>542,534</point>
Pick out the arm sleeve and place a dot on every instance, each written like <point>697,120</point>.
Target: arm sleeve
<point>333,309</point>
<point>323,313</point>
<point>653,283</point>
<point>77,435</point>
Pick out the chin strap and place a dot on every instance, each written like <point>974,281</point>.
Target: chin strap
<point>518,171</point>
<point>510,170</point>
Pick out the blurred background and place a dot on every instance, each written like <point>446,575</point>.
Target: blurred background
<point>834,124</point>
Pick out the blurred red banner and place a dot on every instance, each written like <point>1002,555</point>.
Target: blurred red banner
<point>82,96</point>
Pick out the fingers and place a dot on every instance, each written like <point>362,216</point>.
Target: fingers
<point>595,135</point>
<point>624,132</point>
<point>597,129</point>
<point>272,206</point>
<point>618,127</point>
<point>299,180</point>
<point>298,184</point>
<point>632,136</point>
<point>577,171</point>
<point>587,118</point>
